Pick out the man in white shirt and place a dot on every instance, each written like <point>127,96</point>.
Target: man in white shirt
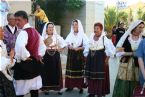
<point>29,49</point>
<point>10,32</point>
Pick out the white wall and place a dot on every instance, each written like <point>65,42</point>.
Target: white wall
<point>25,5</point>
<point>94,13</point>
<point>16,5</point>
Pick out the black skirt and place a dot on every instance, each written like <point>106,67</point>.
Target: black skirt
<point>75,64</point>
<point>95,65</point>
<point>51,72</point>
<point>74,76</point>
<point>6,87</point>
<point>28,69</point>
<point>97,73</point>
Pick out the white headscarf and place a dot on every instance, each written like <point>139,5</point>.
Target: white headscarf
<point>80,34</point>
<point>128,32</point>
<point>44,32</point>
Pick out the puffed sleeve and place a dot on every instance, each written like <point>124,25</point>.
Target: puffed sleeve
<point>85,41</point>
<point>4,62</point>
<point>42,47</point>
<point>61,42</point>
<point>68,39</point>
<point>86,50</point>
<point>86,45</point>
<point>21,53</point>
<point>109,47</point>
<point>3,48</point>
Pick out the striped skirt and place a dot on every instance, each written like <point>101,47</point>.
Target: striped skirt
<point>74,76</point>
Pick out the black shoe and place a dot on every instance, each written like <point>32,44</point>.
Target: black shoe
<point>91,95</point>
<point>68,90</point>
<point>81,91</point>
<point>59,93</point>
<point>46,93</point>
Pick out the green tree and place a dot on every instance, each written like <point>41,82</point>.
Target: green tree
<point>143,16</point>
<point>122,16</point>
<point>139,13</point>
<point>130,17</point>
<point>110,19</point>
<point>113,17</point>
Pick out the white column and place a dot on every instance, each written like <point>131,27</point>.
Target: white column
<point>94,13</point>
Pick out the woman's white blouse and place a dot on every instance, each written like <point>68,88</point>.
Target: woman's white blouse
<point>4,60</point>
<point>76,40</point>
<point>56,40</point>
<point>98,45</point>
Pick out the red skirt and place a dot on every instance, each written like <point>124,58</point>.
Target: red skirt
<point>74,82</point>
<point>99,86</point>
<point>74,76</point>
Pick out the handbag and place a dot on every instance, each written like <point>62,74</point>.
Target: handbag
<point>128,71</point>
<point>139,91</point>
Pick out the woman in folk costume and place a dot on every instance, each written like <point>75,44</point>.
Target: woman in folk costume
<point>128,75</point>
<point>98,51</point>
<point>6,84</point>
<point>76,40</point>
<point>52,71</point>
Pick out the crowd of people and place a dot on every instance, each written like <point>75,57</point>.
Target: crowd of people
<point>30,60</point>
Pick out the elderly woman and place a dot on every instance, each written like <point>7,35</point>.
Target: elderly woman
<point>97,70</point>
<point>128,77</point>
<point>6,85</point>
<point>76,41</point>
<point>52,71</point>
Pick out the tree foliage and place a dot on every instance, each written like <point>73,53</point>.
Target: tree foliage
<point>143,16</point>
<point>113,17</point>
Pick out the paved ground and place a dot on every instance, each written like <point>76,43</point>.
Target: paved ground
<point>113,71</point>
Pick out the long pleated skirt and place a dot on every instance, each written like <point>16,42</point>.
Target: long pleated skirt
<point>51,72</point>
<point>125,87</point>
<point>97,73</point>
<point>74,76</point>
